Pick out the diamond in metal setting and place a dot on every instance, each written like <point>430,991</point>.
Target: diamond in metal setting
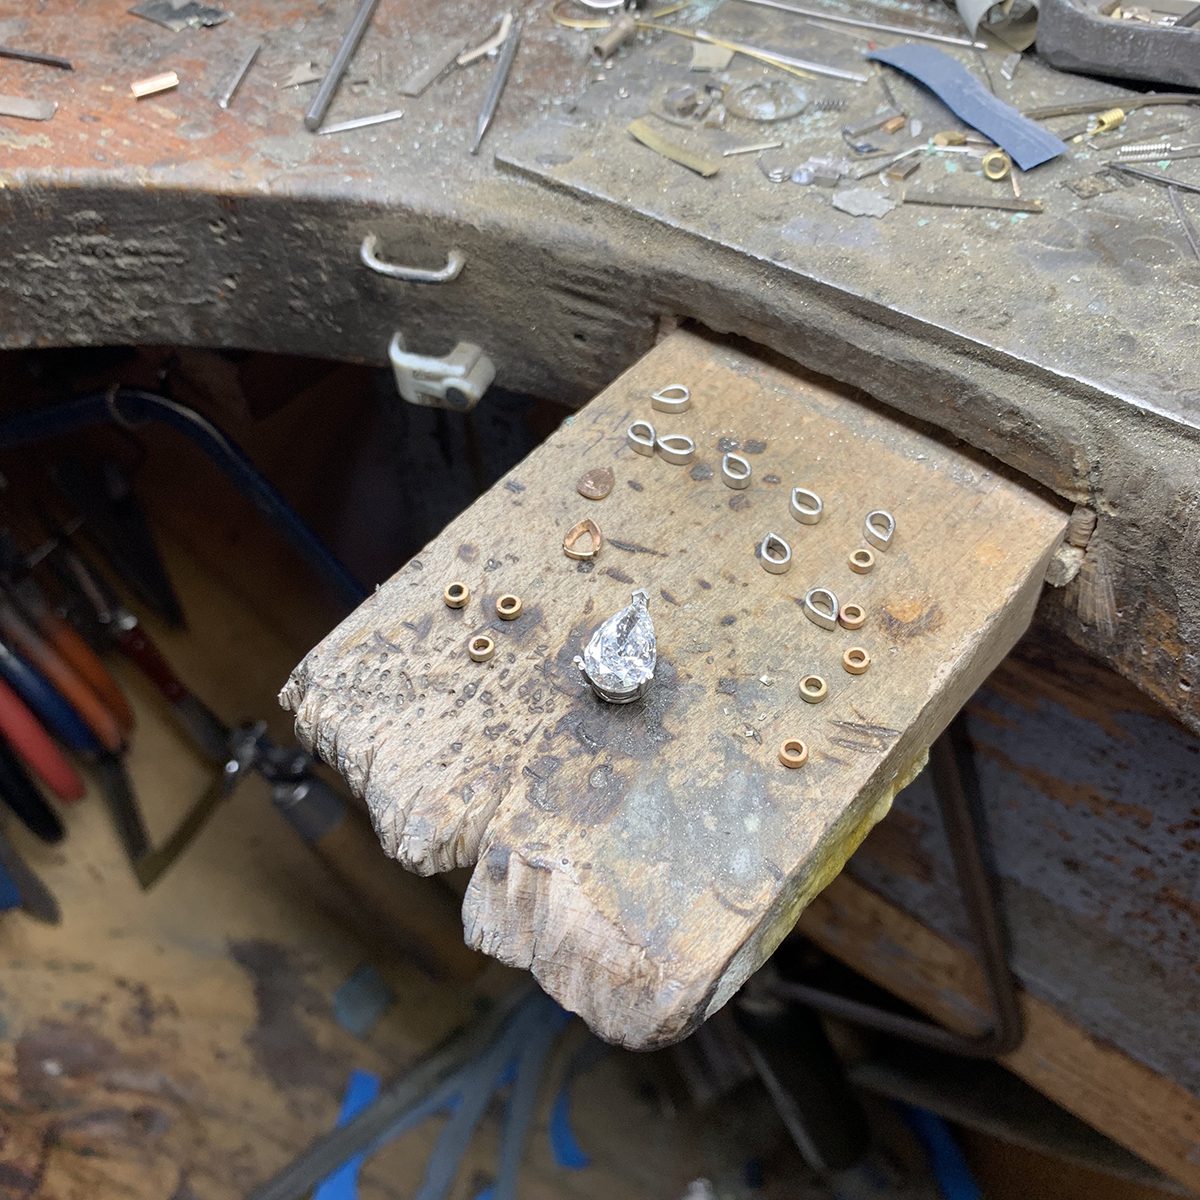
<point>618,661</point>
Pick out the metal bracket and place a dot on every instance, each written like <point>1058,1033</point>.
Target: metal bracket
<point>456,382</point>
<point>368,252</point>
<point>956,786</point>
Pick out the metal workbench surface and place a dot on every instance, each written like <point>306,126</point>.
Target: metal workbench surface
<point>1060,342</point>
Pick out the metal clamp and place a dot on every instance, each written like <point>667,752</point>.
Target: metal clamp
<point>456,381</point>
<point>455,261</point>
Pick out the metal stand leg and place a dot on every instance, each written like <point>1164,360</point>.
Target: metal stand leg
<point>957,788</point>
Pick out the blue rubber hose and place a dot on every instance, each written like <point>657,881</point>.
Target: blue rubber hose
<point>132,406</point>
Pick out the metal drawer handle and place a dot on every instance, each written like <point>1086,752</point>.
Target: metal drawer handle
<point>455,262</point>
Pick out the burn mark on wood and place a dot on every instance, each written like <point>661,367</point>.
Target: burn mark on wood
<point>635,548</point>
<point>905,620</point>
<point>635,485</point>
<point>668,597</point>
<point>754,446</point>
<point>617,574</point>
<point>700,472</point>
<point>514,485</point>
<point>727,685</point>
<point>468,553</point>
<point>740,502</point>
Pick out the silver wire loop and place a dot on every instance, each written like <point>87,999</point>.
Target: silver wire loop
<point>735,471</point>
<point>879,528</point>
<point>369,253</point>
<point>676,448</point>
<point>816,601</point>
<point>674,398</point>
<point>641,436</point>
<point>775,554</point>
<point>806,506</point>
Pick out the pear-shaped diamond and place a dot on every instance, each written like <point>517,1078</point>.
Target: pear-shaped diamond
<point>619,659</point>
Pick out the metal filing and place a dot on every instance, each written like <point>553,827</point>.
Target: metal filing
<point>504,62</point>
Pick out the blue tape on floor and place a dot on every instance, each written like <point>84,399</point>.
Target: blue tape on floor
<point>946,1161</point>
<point>361,1091</point>
<point>1027,142</point>
<point>10,894</point>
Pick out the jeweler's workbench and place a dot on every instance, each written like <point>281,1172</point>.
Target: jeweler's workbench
<point>643,860</point>
<point>1060,343</point>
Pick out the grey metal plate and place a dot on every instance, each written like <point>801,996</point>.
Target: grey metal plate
<point>1101,290</point>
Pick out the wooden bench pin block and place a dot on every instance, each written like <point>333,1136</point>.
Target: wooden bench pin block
<point>643,860</point>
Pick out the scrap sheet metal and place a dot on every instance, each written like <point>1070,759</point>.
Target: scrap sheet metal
<point>1021,285</point>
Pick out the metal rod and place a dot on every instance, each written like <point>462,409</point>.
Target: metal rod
<point>1152,177</point>
<point>36,56</point>
<point>496,88</point>
<point>1189,19</point>
<point>751,149</point>
<point>363,122</point>
<point>947,39</point>
<point>341,60</point>
<point>236,81</point>
<point>801,64</point>
<point>956,786</point>
<point>329,1151</point>
<point>1189,230</point>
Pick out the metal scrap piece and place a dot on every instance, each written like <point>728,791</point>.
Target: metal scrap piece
<point>963,200</point>
<point>493,42</point>
<point>767,100</point>
<point>1189,230</point>
<point>863,202</point>
<point>642,131</point>
<point>362,122</point>
<point>707,57</point>
<point>178,15</point>
<point>26,109</point>
<point>596,483</point>
<point>235,80</point>
<point>301,74</point>
<point>437,62</point>
<point>36,56</point>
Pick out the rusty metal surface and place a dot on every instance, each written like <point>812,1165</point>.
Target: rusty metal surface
<point>1094,829</point>
<point>1058,343</point>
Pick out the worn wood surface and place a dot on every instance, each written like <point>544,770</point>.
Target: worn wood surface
<point>1121,1097</point>
<point>642,861</point>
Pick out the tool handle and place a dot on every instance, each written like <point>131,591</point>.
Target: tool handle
<point>20,793</point>
<point>51,709</point>
<point>66,640</point>
<point>136,645</point>
<point>420,915</point>
<point>21,888</point>
<point>31,646</point>
<point>28,737</point>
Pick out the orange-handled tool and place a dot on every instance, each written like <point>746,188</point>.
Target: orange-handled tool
<point>37,749</point>
<point>27,642</point>
<point>64,638</point>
